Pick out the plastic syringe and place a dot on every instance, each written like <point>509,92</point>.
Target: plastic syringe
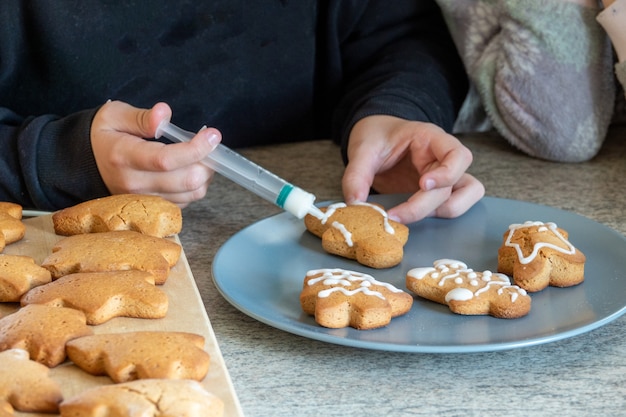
<point>249,175</point>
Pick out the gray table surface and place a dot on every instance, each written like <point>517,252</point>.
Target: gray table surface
<point>280,374</point>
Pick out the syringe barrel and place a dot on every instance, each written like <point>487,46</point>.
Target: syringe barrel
<point>245,173</point>
<point>249,175</point>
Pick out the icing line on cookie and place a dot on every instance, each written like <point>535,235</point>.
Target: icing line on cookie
<point>342,228</point>
<point>382,212</point>
<point>542,227</point>
<point>346,234</point>
<point>344,278</point>
<point>330,210</point>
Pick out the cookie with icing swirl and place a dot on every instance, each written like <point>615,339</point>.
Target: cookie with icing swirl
<point>465,291</point>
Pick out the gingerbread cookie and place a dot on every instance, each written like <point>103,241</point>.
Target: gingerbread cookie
<point>145,397</point>
<point>43,331</point>
<point>11,227</point>
<point>102,296</point>
<point>538,255</point>
<point>360,231</point>
<point>113,251</point>
<point>141,355</point>
<point>467,292</point>
<point>18,274</point>
<point>25,385</point>
<point>148,214</point>
<point>340,298</point>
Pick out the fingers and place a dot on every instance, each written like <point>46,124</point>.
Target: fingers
<point>119,116</point>
<point>130,164</point>
<point>467,192</point>
<point>420,205</point>
<point>359,174</point>
<point>453,160</point>
<point>446,202</point>
<point>158,157</point>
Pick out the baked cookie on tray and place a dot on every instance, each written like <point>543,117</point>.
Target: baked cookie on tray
<point>145,397</point>
<point>18,275</point>
<point>141,355</point>
<point>25,385</point>
<point>340,298</point>
<point>147,214</point>
<point>465,291</point>
<point>11,227</point>
<point>360,231</point>
<point>538,255</point>
<point>42,331</point>
<point>102,296</point>
<point>113,251</point>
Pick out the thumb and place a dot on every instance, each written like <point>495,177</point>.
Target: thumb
<point>358,177</point>
<point>151,119</point>
<point>123,117</point>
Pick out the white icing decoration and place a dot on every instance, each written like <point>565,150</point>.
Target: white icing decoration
<point>330,210</point>
<point>446,269</point>
<point>459,294</point>
<point>346,234</point>
<point>341,278</point>
<point>443,264</point>
<point>420,273</point>
<point>542,227</point>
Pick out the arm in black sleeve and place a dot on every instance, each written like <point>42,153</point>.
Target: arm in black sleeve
<point>46,161</point>
<point>396,59</point>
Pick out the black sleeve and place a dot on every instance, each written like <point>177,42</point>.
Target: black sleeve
<point>396,58</point>
<point>46,162</point>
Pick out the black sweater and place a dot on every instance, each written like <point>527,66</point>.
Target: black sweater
<point>260,71</point>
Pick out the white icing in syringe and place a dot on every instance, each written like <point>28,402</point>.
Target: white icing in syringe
<point>250,175</point>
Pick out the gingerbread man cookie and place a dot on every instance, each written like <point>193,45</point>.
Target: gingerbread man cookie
<point>464,291</point>
<point>538,255</point>
<point>339,298</point>
<point>360,231</point>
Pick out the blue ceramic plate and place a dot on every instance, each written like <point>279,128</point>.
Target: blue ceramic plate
<point>260,270</point>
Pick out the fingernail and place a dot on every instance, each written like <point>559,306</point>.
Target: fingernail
<point>213,140</point>
<point>393,218</point>
<point>429,184</point>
